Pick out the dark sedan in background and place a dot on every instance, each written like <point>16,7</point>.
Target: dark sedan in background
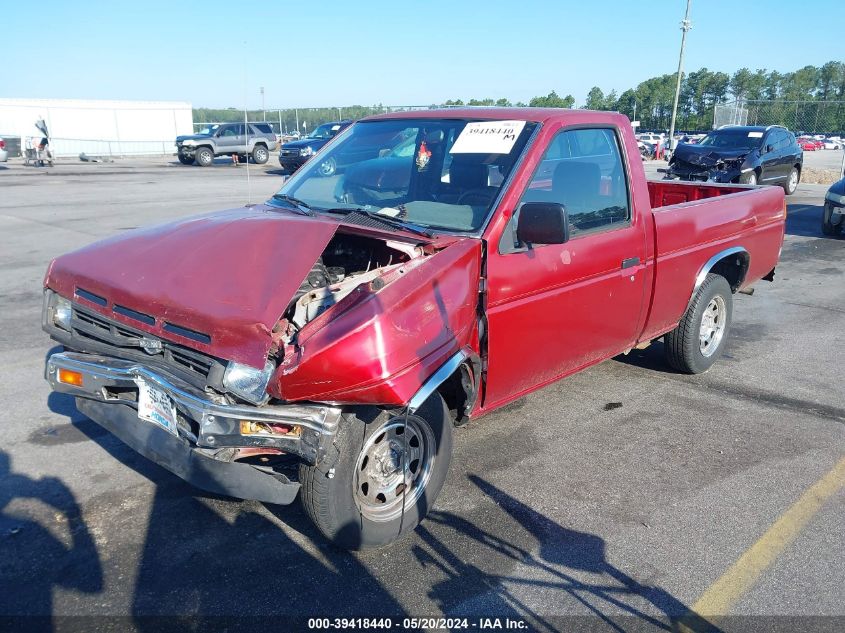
<point>741,154</point>
<point>294,154</point>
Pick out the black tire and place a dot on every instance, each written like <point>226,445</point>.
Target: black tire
<point>684,348</point>
<point>749,179</point>
<point>332,498</point>
<point>260,154</point>
<point>204,156</point>
<point>186,160</point>
<point>828,228</point>
<point>791,183</point>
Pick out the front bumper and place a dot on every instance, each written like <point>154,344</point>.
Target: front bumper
<point>293,162</point>
<point>209,428</point>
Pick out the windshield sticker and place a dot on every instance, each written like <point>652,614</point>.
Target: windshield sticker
<point>488,137</point>
<point>423,156</point>
<point>335,128</point>
<point>755,135</point>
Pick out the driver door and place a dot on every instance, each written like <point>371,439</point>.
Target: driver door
<point>553,309</point>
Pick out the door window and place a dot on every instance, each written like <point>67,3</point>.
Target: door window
<point>583,170</point>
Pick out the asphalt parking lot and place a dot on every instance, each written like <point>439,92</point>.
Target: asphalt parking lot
<point>615,499</point>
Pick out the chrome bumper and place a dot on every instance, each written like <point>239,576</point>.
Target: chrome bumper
<point>216,424</point>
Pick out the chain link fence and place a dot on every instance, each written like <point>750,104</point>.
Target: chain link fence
<point>285,121</point>
<point>811,117</point>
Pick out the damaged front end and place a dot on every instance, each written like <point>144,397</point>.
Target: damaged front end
<point>242,375</point>
<point>691,164</point>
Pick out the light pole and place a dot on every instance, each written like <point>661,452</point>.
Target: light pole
<point>686,25</point>
<point>263,111</point>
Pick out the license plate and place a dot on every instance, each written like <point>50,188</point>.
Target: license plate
<point>157,407</point>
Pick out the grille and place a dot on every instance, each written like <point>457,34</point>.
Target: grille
<point>290,152</point>
<point>124,342</point>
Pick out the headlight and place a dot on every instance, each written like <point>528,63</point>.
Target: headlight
<point>835,198</point>
<point>189,142</point>
<point>59,310</point>
<point>306,151</point>
<point>248,382</point>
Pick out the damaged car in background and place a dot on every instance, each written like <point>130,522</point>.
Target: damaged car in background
<point>750,155</point>
<point>325,343</point>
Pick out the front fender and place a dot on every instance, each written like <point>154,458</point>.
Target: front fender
<point>383,348</point>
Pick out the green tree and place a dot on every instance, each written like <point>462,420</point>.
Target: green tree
<point>595,99</point>
<point>552,100</point>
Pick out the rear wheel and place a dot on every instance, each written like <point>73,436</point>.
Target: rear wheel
<point>700,337</point>
<point>792,182</point>
<point>260,155</point>
<point>389,470</point>
<point>204,156</point>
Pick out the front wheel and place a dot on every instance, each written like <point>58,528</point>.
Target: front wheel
<point>327,168</point>
<point>792,182</point>
<point>204,156</point>
<point>389,470</point>
<point>749,179</point>
<point>700,337</point>
<point>186,160</point>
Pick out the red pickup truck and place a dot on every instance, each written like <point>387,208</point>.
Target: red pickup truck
<point>327,342</point>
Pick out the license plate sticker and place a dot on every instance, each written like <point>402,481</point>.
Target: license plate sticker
<point>157,407</point>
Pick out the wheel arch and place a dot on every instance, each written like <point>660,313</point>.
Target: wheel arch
<point>457,381</point>
<point>731,263</point>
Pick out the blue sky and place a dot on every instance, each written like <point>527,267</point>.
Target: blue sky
<point>215,54</point>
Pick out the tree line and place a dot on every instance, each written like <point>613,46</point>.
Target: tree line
<point>808,99</point>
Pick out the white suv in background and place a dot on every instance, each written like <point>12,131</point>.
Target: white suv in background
<point>4,153</point>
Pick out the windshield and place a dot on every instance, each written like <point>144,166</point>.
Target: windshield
<point>208,130</point>
<point>327,130</point>
<point>433,173</point>
<point>733,139</point>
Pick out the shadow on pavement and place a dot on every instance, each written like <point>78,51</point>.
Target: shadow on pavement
<point>549,560</point>
<point>38,557</point>
<point>804,220</point>
<point>211,561</point>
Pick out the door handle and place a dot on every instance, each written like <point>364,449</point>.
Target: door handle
<point>631,261</point>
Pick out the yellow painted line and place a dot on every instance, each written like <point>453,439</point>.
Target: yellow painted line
<point>745,572</point>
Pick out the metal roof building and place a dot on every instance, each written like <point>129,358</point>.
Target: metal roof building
<point>98,127</point>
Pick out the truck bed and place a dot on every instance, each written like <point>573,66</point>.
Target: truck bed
<point>694,222</point>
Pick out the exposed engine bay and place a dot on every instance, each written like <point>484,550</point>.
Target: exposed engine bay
<point>347,262</point>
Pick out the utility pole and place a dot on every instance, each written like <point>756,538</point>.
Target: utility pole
<point>263,111</point>
<point>686,25</point>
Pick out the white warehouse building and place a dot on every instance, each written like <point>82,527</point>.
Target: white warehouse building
<point>95,127</point>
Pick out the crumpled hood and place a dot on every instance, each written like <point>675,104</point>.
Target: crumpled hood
<point>229,275</point>
<point>704,156</point>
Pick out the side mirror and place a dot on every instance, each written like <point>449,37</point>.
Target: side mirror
<point>542,223</point>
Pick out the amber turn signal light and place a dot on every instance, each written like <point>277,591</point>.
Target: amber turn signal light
<point>70,377</point>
